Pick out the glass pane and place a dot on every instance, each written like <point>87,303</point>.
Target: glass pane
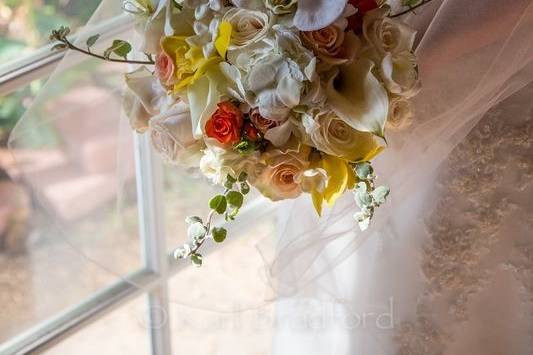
<point>185,195</point>
<point>223,303</point>
<point>124,331</point>
<point>26,24</point>
<point>60,226</point>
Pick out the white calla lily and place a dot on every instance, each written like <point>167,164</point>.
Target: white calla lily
<point>358,98</point>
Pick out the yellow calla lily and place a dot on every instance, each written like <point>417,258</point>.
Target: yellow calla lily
<point>337,170</point>
<point>223,39</point>
<point>190,62</point>
<point>341,177</point>
<point>318,199</point>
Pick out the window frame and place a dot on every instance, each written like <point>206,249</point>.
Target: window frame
<point>152,279</point>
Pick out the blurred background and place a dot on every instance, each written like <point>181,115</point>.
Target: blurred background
<point>58,209</point>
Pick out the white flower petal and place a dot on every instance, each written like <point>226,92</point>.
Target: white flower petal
<point>289,91</point>
<point>271,106</point>
<point>203,96</point>
<point>280,135</point>
<point>313,15</point>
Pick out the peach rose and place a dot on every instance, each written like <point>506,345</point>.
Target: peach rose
<point>331,44</point>
<point>280,179</point>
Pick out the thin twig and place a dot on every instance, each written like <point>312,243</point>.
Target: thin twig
<point>411,9</point>
<point>115,60</point>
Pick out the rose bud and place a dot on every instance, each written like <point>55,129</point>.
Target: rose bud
<point>355,22</point>
<point>250,132</point>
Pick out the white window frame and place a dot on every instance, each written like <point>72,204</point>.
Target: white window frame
<point>151,280</point>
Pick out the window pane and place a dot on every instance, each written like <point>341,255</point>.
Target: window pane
<point>223,302</point>
<point>124,331</point>
<point>25,25</point>
<point>61,228</point>
<point>185,195</point>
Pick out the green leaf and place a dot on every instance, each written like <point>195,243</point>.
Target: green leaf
<point>119,47</point>
<point>245,188</point>
<point>235,199</point>
<point>63,31</point>
<point>219,234</point>
<point>230,180</point>
<point>364,171</point>
<point>182,252</point>
<point>231,216</point>
<point>243,176</point>
<point>196,259</point>
<point>380,194</point>
<point>92,40</point>
<point>245,147</point>
<point>362,220</point>
<point>193,219</point>
<point>177,5</point>
<point>196,231</point>
<point>219,204</point>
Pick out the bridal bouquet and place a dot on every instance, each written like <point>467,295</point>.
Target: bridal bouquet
<point>290,97</point>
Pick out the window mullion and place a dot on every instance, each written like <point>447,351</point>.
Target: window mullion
<point>149,175</point>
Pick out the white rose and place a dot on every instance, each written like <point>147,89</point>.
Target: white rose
<point>400,114</point>
<point>144,98</point>
<point>400,74</point>
<point>386,34</point>
<point>171,134</point>
<point>248,27</point>
<point>217,163</point>
<point>331,135</point>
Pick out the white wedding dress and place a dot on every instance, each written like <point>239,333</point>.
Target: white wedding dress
<point>449,269</point>
<point>447,265</point>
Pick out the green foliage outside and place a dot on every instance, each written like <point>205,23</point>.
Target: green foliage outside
<point>24,26</point>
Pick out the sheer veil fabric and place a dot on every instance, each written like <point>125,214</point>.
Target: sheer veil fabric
<point>447,265</point>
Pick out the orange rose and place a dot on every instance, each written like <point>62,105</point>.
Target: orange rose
<point>225,124</point>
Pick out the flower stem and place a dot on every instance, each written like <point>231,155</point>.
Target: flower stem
<point>71,46</point>
<point>199,244</point>
<point>411,9</point>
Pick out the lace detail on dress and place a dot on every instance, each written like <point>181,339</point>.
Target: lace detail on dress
<point>480,186</point>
